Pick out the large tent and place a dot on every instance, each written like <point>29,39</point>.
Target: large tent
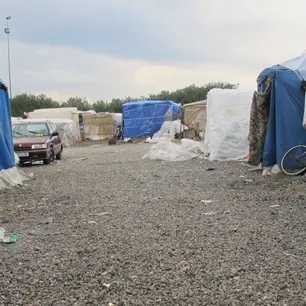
<point>228,116</point>
<point>9,174</point>
<point>284,127</point>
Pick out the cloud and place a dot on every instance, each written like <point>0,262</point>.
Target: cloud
<point>62,72</point>
<point>104,49</point>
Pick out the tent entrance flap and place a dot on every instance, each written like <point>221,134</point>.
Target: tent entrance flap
<point>285,124</point>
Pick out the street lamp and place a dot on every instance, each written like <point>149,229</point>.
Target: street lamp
<point>7,32</point>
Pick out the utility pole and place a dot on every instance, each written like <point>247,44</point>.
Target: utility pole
<point>7,32</point>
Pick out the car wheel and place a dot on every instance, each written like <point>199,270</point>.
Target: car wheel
<point>21,164</point>
<point>59,155</point>
<point>49,160</point>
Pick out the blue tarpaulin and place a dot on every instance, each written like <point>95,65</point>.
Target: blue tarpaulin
<point>285,124</point>
<point>145,118</point>
<point>7,159</point>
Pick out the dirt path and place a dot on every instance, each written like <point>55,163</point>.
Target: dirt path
<point>147,228</point>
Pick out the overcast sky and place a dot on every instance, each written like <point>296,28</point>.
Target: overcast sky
<point>116,48</point>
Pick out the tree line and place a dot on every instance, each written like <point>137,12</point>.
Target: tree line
<point>29,102</point>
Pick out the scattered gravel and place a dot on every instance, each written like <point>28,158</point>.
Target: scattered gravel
<point>107,227</point>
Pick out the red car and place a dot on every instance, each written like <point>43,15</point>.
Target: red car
<point>36,140</point>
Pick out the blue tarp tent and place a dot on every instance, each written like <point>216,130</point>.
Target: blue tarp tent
<point>145,118</point>
<point>7,159</point>
<point>10,175</point>
<point>285,125</point>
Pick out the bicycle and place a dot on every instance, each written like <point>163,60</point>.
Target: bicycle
<point>294,161</point>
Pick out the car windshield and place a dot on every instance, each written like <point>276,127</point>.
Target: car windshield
<point>30,130</point>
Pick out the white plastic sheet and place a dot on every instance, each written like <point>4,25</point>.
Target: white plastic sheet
<point>13,177</point>
<point>166,149</point>
<point>168,129</point>
<point>15,119</point>
<point>66,130</point>
<point>17,159</point>
<point>228,118</point>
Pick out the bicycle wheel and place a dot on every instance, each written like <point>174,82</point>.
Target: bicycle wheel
<point>294,161</point>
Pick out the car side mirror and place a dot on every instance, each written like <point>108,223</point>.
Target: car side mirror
<point>54,134</point>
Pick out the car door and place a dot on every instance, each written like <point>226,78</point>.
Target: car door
<point>55,140</point>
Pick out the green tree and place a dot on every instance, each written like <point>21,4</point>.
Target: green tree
<point>100,106</point>
<point>29,102</point>
<point>80,103</point>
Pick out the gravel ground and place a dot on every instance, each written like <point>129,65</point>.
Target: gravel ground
<point>105,216</point>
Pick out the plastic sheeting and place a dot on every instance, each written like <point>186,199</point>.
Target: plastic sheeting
<point>298,65</point>
<point>15,119</point>
<point>17,159</point>
<point>169,129</point>
<point>145,118</point>
<point>9,175</point>
<point>285,128</point>
<point>167,150</point>
<point>66,130</point>
<point>69,113</point>
<point>7,159</point>
<point>13,177</point>
<point>118,118</point>
<point>228,117</point>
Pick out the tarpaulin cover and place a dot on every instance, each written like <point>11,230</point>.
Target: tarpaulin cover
<point>7,159</point>
<point>145,118</point>
<point>285,128</point>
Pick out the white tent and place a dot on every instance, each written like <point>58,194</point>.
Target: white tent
<point>69,113</point>
<point>228,117</point>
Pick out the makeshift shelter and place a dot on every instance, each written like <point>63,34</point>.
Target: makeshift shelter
<point>100,126</point>
<point>194,115</point>
<point>68,113</point>
<point>145,118</point>
<point>228,115</point>
<point>118,118</point>
<point>280,87</point>
<point>10,175</point>
<point>66,130</point>
<point>64,127</point>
